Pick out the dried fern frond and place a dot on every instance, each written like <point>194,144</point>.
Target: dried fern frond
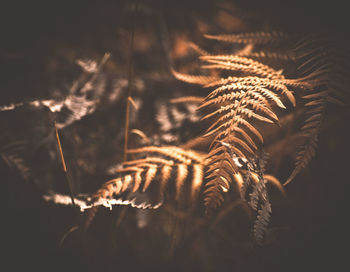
<point>237,103</point>
<point>181,172</point>
<point>309,132</point>
<point>327,70</point>
<point>255,181</point>
<point>187,99</point>
<point>83,97</point>
<point>255,37</point>
<point>156,169</point>
<point>220,175</point>
<point>290,56</point>
<point>236,110</point>
<point>248,174</point>
<point>262,221</point>
<point>279,84</point>
<point>201,80</point>
<point>80,200</point>
<point>241,64</point>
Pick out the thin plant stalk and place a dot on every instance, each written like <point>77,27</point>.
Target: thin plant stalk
<point>69,180</point>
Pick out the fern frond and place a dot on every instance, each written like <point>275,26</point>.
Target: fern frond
<point>254,179</point>
<point>262,221</point>
<point>259,192</point>
<point>255,38</point>
<point>309,132</point>
<point>269,55</point>
<point>83,98</point>
<point>258,88</point>
<point>235,106</point>
<point>187,99</point>
<point>176,153</point>
<point>241,100</point>
<point>201,80</point>
<point>151,174</point>
<point>249,66</point>
<point>222,167</point>
<point>278,84</point>
<point>326,69</point>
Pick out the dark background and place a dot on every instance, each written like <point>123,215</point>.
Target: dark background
<point>39,39</point>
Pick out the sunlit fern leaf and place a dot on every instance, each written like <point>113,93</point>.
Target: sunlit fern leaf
<point>183,171</point>
<point>276,84</point>
<point>243,65</point>
<point>237,103</point>
<point>156,170</point>
<point>187,99</point>
<point>80,200</point>
<point>248,174</point>
<point>199,79</point>
<point>221,168</point>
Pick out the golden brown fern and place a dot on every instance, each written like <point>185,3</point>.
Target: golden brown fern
<point>164,168</point>
<point>179,172</point>
<point>160,167</point>
<point>240,102</point>
<point>253,37</point>
<point>251,182</point>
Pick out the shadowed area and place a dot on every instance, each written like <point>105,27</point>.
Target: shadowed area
<point>74,62</point>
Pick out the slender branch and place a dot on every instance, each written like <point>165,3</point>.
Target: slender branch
<point>70,184</point>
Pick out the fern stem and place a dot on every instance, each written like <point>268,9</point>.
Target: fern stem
<point>70,184</point>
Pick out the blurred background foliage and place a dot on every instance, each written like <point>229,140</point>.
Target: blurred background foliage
<point>40,44</point>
